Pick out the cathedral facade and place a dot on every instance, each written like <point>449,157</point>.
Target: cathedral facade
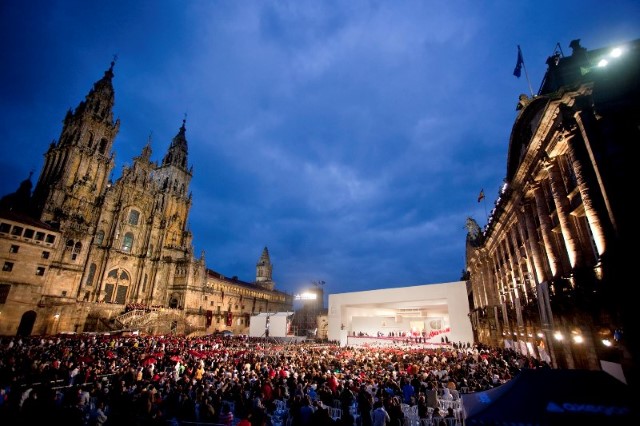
<point>81,253</point>
<point>548,274</point>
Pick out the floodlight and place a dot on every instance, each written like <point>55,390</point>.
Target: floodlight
<point>616,52</point>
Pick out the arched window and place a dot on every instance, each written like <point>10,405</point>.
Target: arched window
<point>103,146</point>
<point>116,286</point>
<point>134,217</point>
<point>100,237</point>
<point>127,242</point>
<point>77,248</point>
<point>91,274</point>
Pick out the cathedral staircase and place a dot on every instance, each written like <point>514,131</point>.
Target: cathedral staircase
<point>158,321</point>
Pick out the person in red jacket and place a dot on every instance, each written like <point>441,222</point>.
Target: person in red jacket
<point>332,381</point>
<point>267,391</point>
<point>244,421</point>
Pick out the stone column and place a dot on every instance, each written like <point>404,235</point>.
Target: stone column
<point>515,281</point>
<point>592,214</point>
<point>476,283</point>
<point>546,317</point>
<point>530,281</point>
<point>493,298</point>
<point>507,285</point>
<point>493,295</point>
<point>503,285</point>
<point>546,230</point>
<point>540,272</point>
<point>483,298</point>
<point>501,297</point>
<point>584,132</point>
<point>519,258</point>
<point>561,201</point>
<point>589,343</point>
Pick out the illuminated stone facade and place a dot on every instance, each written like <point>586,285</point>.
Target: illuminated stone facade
<point>80,250</point>
<point>547,274</point>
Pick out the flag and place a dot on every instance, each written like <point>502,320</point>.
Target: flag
<point>481,195</point>
<point>518,69</point>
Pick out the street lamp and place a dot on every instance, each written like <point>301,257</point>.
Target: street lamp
<point>56,317</point>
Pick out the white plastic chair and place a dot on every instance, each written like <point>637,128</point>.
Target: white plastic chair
<point>412,421</point>
<point>335,413</point>
<point>435,421</point>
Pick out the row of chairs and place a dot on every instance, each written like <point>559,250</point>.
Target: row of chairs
<point>432,421</point>
<point>456,405</point>
<point>412,418</point>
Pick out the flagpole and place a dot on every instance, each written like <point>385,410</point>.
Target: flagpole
<point>486,216</point>
<point>528,81</point>
<point>526,74</point>
<point>481,197</point>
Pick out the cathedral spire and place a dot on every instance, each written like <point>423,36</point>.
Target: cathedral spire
<point>177,153</point>
<point>78,165</point>
<point>264,258</point>
<point>91,124</point>
<point>146,151</point>
<point>264,270</point>
<point>100,100</point>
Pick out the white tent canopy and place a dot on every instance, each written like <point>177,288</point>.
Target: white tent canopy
<point>270,324</point>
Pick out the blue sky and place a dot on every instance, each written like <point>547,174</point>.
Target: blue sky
<point>351,138</point>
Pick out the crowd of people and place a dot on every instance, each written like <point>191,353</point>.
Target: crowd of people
<point>161,380</point>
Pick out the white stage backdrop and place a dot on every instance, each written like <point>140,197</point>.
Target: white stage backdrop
<point>277,321</point>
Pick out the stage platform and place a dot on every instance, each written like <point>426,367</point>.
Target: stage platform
<point>394,341</point>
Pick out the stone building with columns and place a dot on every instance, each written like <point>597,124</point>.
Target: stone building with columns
<point>84,253</point>
<point>549,273</point>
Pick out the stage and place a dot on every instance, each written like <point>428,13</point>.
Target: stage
<point>384,341</point>
<point>428,315</point>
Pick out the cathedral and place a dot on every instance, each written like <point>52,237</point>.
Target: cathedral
<point>81,253</point>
